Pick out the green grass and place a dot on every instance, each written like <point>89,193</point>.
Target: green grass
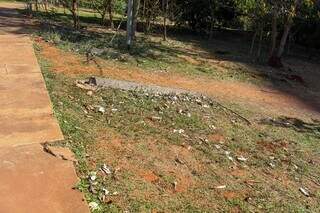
<point>148,144</point>
<point>149,52</point>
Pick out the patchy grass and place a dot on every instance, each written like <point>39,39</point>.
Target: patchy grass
<point>192,57</point>
<point>181,153</point>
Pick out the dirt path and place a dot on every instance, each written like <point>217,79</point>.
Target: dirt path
<point>269,101</point>
<point>31,180</point>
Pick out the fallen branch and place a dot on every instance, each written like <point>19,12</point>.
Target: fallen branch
<point>235,113</point>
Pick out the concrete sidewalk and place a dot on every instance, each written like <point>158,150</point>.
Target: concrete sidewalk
<point>31,180</point>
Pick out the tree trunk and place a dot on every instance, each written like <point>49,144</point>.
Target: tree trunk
<point>260,43</point>
<point>74,11</point>
<point>274,61</point>
<point>284,38</point>
<point>165,15</point>
<point>253,42</point>
<point>136,6</point>
<point>129,23</point>
<point>274,32</point>
<point>110,10</point>
<point>287,28</point>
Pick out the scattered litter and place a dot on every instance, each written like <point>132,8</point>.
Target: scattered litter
<point>213,127</point>
<point>106,169</point>
<point>304,191</point>
<point>221,187</point>
<point>272,165</point>
<point>155,118</point>
<point>178,160</point>
<point>94,206</point>
<point>114,110</point>
<point>92,189</point>
<point>242,159</point>
<point>175,184</point>
<point>180,131</point>
<point>228,155</point>
<point>101,109</point>
<point>217,146</point>
<point>93,176</point>
<point>105,191</point>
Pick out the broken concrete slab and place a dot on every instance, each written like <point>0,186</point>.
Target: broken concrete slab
<point>127,85</point>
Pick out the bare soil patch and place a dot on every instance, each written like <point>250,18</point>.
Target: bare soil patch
<point>267,100</point>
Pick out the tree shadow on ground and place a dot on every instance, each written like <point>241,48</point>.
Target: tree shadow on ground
<point>227,46</point>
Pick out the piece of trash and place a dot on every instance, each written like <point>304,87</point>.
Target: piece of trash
<point>206,106</point>
<point>106,169</point>
<point>189,115</point>
<point>115,193</point>
<point>92,189</point>
<point>175,184</point>
<point>213,127</point>
<point>105,191</point>
<point>93,176</point>
<point>179,160</point>
<point>217,146</point>
<point>101,109</point>
<point>295,166</point>
<point>93,206</point>
<point>242,159</point>
<point>228,155</point>
<point>230,158</point>
<point>180,131</point>
<point>221,187</point>
<point>272,165</point>
<point>114,110</point>
<point>154,118</point>
<point>304,191</point>
<point>90,93</point>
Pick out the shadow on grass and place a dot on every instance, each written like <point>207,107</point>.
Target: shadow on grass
<point>228,46</point>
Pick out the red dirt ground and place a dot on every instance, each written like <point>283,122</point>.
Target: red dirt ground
<point>266,100</point>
